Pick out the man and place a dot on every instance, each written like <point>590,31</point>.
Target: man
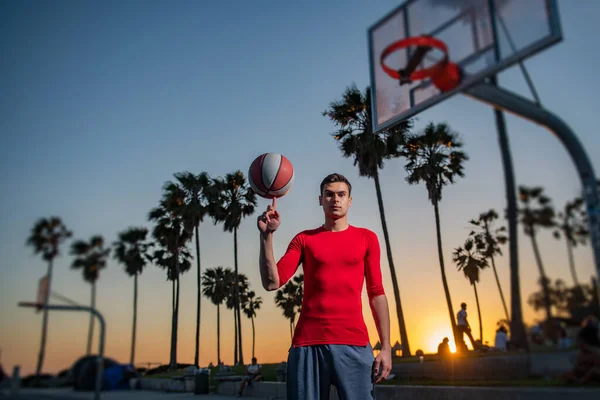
<point>444,348</point>
<point>253,374</point>
<point>331,344</point>
<point>463,325</point>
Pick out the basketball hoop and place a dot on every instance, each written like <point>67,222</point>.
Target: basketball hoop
<point>444,74</point>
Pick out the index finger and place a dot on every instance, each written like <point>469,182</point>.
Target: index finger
<point>274,202</point>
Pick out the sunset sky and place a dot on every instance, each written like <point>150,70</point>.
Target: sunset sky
<point>101,102</point>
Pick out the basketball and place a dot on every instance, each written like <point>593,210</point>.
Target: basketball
<point>271,175</point>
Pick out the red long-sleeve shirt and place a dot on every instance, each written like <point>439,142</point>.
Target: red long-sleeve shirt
<point>335,266</point>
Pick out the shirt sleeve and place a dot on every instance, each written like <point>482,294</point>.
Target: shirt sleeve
<point>373,267</point>
<point>288,264</point>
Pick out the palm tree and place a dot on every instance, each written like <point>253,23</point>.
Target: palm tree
<point>216,287</point>
<point>131,250</point>
<point>536,212</point>
<point>233,201</point>
<point>298,282</point>
<point>289,299</point>
<point>573,226</point>
<point>435,159</point>
<point>237,290</point>
<point>46,237</point>
<point>251,303</point>
<point>352,115</point>
<point>90,257</point>
<point>471,262</point>
<point>194,209</point>
<point>172,254</point>
<point>488,242</point>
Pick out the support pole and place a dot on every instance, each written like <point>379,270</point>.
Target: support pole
<point>511,102</point>
<point>93,311</point>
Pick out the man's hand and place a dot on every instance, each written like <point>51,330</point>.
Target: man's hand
<point>383,365</point>
<point>270,220</point>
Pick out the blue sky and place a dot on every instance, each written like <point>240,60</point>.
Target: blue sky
<point>101,102</point>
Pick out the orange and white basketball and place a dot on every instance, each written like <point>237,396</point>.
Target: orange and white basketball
<point>271,175</point>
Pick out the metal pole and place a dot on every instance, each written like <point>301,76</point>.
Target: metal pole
<point>508,101</point>
<point>100,363</point>
<point>517,328</point>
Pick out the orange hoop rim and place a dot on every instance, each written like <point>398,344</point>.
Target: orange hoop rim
<point>410,42</point>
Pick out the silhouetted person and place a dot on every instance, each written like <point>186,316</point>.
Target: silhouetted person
<point>444,348</point>
<point>564,342</point>
<point>253,374</point>
<point>501,339</point>
<point>587,365</point>
<point>463,325</point>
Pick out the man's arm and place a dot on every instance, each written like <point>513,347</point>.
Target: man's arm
<point>268,266</point>
<point>273,274</point>
<point>267,224</point>
<point>381,314</point>
<point>379,307</point>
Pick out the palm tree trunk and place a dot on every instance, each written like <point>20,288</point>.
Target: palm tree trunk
<point>91,327</point>
<point>237,298</point>
<point>253,337</point>
<point>172,326</point>
<point>500,288</point>
<point>235,339</point>
<point>572,262</point>
<point>218,334</point>
<point>386,236</point>
<point>197,353</point>
<point>478,313</point>
<point>40,361</point>
<point>176,323</point>
<point>443,271</point>
<point>173,360</point>
<point>517,328</point>
<point>135,295</point>
<point>545,290</point>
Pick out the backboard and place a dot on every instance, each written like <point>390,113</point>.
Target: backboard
<point>482,36</point>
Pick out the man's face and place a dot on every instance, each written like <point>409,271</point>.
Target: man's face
<point>335,200</point>
<point>254,361</point>
<point>465,307</point>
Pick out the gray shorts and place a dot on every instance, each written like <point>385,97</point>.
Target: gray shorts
<point>311,370</point>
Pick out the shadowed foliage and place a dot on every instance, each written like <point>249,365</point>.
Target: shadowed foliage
<point>572,225</point>
<point>215,287</point>
<point>232,200</point>
<point>488,240</point>
<point>537,213</point>
<point>132,250</point>
<point>196,205</point>
<point>435,159</point>
<point>470,261</point>
<point>46,237</point>
<point>289,299</point>
<point>90,258</point>
<point>171,251</point>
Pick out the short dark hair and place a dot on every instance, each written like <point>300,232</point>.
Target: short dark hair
<point>463,305</point>
<point>335,177</point>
